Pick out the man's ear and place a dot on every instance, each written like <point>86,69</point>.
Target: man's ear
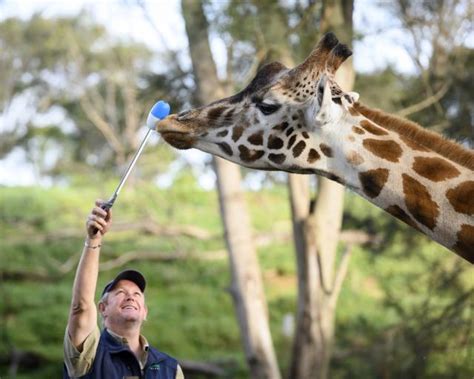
<point>101,308</point>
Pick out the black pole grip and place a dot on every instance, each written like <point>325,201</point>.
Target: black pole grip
<point>105,206</point>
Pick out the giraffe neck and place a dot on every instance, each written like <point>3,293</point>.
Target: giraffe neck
<point>415,175</point>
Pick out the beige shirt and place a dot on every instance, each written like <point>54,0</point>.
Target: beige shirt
<point>78,363</point>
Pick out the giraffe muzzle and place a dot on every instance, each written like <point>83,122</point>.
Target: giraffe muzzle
<point>176,133</point>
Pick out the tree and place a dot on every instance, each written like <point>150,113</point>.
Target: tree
<point>247,287</point>
<point>443,78</point>
<point>316,229</point>
<point>72,68</point>
<point>264,25</point>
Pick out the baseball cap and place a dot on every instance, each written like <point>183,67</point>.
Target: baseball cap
<point>132,275</point>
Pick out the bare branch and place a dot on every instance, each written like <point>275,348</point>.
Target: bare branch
<point>101,124</point>
<point>340,275</point>
<point>130,256</point>
<point>426,102</point>
<point>152,227</point>
<point>131,110</point>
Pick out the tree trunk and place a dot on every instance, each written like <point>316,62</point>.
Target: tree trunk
<point>247,286</point>
<point>316,230</point>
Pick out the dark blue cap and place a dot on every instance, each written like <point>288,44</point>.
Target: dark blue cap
<point>132,275</point>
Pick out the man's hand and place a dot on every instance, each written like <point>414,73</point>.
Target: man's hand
<point>98,221</point>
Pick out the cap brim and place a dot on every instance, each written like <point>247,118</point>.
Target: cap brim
<point>132,275</point>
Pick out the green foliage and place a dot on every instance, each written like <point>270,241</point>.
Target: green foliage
<point>404,307</point>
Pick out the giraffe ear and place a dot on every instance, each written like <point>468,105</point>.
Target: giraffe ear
<point>324,100</point>
<point>354,95</point>
<point>348,99</point>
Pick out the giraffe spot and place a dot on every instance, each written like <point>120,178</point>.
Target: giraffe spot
<point>462,197</point>
<point>354,158</point>
<point>372,128</point>
<point>305,135</point>
<point>237,133</point>
<point>229,113</point>
<point>351,138</point>
<point>313,156</point>
<point>357,130</point>
<point>256,138</point>
<point>412,144</point>
<point>215,113</point>
<point>277,158</point>
<point>289,131</point>
<point>419,202</point>
<point>465,243</point>
<point>249,155</point>
<point>281,127</point>
<point>327,151</point>
<point>373,181</point>
<point>225,148</point>
<point>389,150</point>
<point>291,141</point>
<point>353,112</point>
<point>435,169</point>
<point>399,213</point>
<point>274,142</point>
<point>298,149</point>
<point>223,133</point>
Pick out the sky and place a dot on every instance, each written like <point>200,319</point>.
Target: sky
<point>129,22</point>
<point>380,47</point>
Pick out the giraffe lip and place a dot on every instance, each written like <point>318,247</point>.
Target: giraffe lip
<point>178,139</point>
<point>171,125</point>
<point>175,133</point>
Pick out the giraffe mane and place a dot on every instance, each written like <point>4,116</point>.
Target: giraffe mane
<point>420,135</point>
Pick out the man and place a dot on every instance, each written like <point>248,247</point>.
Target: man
<point>120,351</point>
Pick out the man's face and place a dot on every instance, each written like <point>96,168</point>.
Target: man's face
<point>125,303</point>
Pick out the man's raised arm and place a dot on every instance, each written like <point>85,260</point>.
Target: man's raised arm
<point>83,313</point>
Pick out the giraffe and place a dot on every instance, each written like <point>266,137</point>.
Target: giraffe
<point>300,121</point>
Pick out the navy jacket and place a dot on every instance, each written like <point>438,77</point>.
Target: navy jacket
<point>115,361</point>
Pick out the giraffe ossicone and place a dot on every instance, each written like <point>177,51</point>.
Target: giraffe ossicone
<point>300,121</point>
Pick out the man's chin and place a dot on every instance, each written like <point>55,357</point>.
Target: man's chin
<point>130,315</point>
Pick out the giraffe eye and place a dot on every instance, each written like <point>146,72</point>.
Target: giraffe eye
<point>267,109</point>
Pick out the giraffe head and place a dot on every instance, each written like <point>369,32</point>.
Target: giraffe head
<point>270,123</point>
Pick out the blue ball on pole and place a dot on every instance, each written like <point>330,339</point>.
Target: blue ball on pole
<point>158,112</point>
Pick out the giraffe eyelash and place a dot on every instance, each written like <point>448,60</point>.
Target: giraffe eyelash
<point>268,109</point>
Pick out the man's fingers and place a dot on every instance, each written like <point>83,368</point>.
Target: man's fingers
<point>99,212</point>
<point>97,219</point>
<point>108,216</point>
